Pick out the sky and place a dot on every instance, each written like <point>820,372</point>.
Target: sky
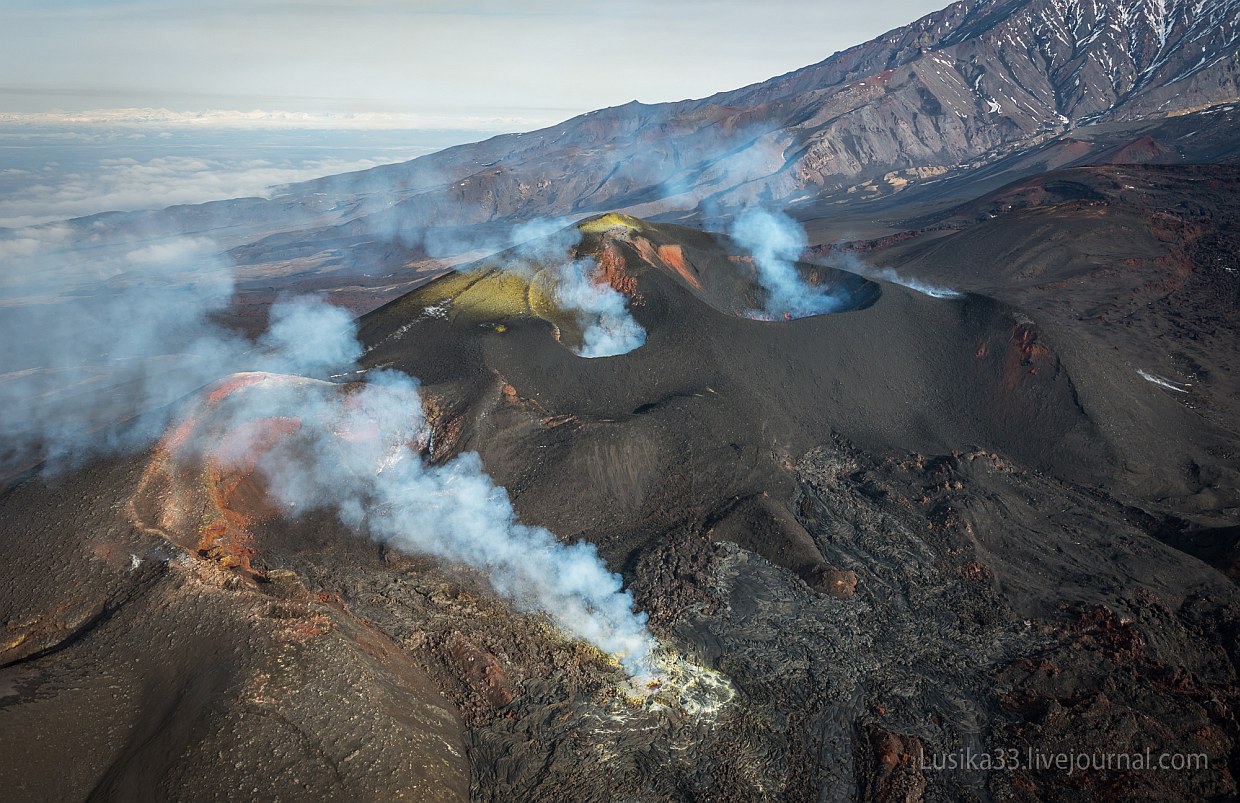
<point>513,65</point>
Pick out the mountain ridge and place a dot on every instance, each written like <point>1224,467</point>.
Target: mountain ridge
<point>964,99</point>
<point>958,88</point>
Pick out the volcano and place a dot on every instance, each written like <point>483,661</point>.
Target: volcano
<point>868,540</point>
<point>972,514</point>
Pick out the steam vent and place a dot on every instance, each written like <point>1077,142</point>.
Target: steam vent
<point>635,258</point>
<point>869,433</point>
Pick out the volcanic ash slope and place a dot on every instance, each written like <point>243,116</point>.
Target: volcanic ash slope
<point>898,530</point>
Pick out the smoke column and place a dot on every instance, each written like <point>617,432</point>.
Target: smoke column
<point>101,345</point>
<point>608,328</point>
<point>776,241</point>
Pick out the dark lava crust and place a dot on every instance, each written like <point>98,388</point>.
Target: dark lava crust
<point>920,527</point>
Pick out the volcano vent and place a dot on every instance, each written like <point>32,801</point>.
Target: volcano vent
<point>257,444</point>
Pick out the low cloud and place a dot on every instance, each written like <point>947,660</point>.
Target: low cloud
<point>51,193</point>
<point>263,120</point>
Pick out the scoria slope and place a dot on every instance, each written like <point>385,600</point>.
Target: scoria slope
<point>866,539</point>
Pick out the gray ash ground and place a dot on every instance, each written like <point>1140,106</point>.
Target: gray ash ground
<point>917,528</point>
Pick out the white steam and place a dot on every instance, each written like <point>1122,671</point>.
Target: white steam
<point>102,342</point>
<point>609,327</point>
<point>309,336</point>
<point>102,339</point>
<point>776,242</point>
<point>355,453</point>
<point>926,289</point>
<point>853,264</point>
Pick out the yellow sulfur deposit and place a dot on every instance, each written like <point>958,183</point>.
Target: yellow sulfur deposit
<point>611,220</point>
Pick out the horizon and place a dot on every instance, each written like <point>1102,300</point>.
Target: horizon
<point>85,131</point>
<point>387,61</point>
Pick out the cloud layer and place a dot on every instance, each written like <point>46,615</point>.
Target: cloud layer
<point>259,120</point>
<point>55,172</point>
<point>49,192</point>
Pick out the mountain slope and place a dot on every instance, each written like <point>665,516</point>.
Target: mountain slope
<point>979,92</point>
<point>951,92</point>
<point>915,526</point>
<point>954,85</point>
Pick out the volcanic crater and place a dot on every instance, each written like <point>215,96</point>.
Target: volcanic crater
<point>837,524</point>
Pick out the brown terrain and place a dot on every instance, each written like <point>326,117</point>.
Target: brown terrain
<point>929,525</point>
<point>1002,519</point>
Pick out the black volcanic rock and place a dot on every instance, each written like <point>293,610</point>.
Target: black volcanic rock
<point>901,531</point>
<point>1138,261</point>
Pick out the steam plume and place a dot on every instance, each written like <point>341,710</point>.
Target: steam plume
<point>101,340</point>
<point>100,345</point>
<point>353,453</point>
<point>776,241</point>
<point>925,288</point>
<point>609,329</point>
<point>855,265</point>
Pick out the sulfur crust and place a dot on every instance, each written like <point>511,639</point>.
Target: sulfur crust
<point>498,294</point>
<point>611,220</point>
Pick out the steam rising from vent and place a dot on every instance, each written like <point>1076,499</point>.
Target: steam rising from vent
<point>890,275</point>
<point>356,453</point>
<point>610,329</point>
<point>776,241</point>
